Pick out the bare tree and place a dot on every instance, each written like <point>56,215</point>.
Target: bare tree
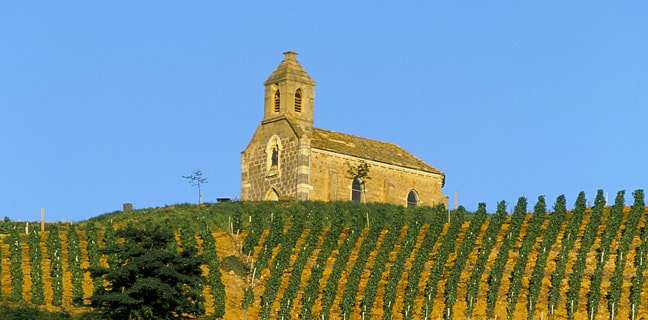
<point>196,179</point>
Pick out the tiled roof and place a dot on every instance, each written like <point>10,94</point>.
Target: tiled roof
<point>368,149</point>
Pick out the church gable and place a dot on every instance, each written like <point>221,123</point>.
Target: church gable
<point>269,163</point>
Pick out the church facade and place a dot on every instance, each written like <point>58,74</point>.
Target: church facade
<point>287,158</point>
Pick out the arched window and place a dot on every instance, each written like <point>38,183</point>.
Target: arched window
<point>356,190</point>
<point>277,99</point>
<point>298,100</point>
<point>412,199</point>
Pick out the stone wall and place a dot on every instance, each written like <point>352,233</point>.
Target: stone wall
<point>388,183</point>
<point>255,178</point>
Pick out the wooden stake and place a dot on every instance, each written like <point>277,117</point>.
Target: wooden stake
<point>42,219</point>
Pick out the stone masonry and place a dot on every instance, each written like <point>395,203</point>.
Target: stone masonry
<point>287,158</point>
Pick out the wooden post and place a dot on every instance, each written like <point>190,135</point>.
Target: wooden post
<point>42,219</point>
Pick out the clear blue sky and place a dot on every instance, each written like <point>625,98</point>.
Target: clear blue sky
<point>107,102</point>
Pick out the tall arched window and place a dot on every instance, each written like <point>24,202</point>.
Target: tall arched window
<point>298,100</point>
<point>412,199</point>
<point>356,190</point>
<point>277,99</point>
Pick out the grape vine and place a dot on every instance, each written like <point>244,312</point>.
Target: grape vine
<point>406,246</point>
<point>467,246</point>
<point>533,230</point>
<point>56,265</point>
<point>568,239</point>
<point>512,234</point>
<point>16,264</point>
<point>214,276</point>
<point>74,263</point>
<point>612,226</point>
<point>548,240</point>
<point>420,257</point>
<point>591,230</point>
<point>36,257</point>
<point>437,272</point>
<point>488,242</point>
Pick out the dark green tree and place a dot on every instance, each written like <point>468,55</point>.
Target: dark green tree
<point>150,279</point>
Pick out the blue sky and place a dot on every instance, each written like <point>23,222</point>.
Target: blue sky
<point>103,103</point>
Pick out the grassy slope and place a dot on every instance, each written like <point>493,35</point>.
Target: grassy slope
<point>227,246</point>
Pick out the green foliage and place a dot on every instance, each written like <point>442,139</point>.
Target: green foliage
<point>380,262</point>
<point>214,276</point>
<point>398,266</point>
<point>16,264</point>
<point>467,246</point>
<point>273,239</point>
<point>36,257</point>
<point>254,233</point>
<point>360,172</point>
<point>312,286</point>
<point>611,227</point>
<point>1,274</point>
<point>294,281</point>
<point>533,230</point>
<point>109,239</point>
<point>420,257</point>
<point>281,263</point>
<point>344,253</point>
<point>149,279</point>
<point>512,234</point>
<point>234,263</point>
<point>237,224</point>
<point>548,240</point>
<point>248,298</point>
<point>56,264</point>
<point>626,239</point>
<point>94,256</point>
<point>74,263</point>
<point>591,230</point>
<point>437,272</point>
<point>640,256</point>
<point>488,242</point>
<point>349,296</point>
<point>568,239</point>
<point>23,312</point>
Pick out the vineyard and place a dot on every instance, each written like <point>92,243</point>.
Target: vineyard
<point>345,260</point>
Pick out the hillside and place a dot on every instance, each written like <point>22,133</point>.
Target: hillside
<point>360,261</point>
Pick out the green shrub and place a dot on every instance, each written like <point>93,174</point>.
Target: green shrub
<point>234,263</point>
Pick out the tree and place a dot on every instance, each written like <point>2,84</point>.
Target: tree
<point>196,179</point>
<point>150,279</point>
<point>359,173</point>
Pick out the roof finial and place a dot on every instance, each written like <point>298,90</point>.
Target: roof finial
<point>290,55</point>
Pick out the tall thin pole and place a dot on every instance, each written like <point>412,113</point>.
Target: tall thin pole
<point>456,199</point>
<point>42,219</point>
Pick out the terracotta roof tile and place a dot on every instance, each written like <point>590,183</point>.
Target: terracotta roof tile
<point>369,149</point>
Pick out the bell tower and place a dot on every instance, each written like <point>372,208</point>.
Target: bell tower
<point>290,92</point>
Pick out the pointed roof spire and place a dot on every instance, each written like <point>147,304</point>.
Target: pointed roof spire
<point>290,68</point>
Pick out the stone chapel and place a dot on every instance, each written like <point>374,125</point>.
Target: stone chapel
<point>287,158</point>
